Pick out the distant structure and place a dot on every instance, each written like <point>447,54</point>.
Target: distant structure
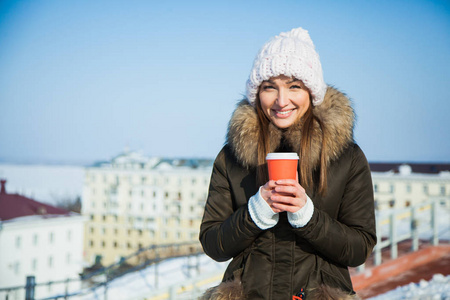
<point>398,185</point>
<point>38,240</point>
<point>134,201</point>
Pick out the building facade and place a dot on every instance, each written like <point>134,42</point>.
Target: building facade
<point>38,240</point>
<point>133,202</point>
<point>403,185</point>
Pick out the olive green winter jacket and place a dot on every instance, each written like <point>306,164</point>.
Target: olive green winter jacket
<point>283,261</point>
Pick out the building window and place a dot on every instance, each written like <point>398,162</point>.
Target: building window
<point>425,189</point>
<point>50,261</point>
<point>68,258</point>
<point>115,244</point>
<point>443,190</point>
<point>375,188</point>
<point>91,243</point>
<point>69,235</point>
<point>391,188</point>
<point>34,264</point>
<point>35,239</point>
<point>17,267</point>
<point>391,203</point>
<point>92,229</point>
<point>408,188</point>
<point>51,238</point>
<point>129,245</point>
<point>103,244</point>
<point>18,242</point>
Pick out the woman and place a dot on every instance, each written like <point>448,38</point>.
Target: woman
<point>289,239</point>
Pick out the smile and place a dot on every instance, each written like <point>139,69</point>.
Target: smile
<point>284,112</point>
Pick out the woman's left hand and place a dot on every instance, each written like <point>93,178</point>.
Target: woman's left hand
<point>288,195</point>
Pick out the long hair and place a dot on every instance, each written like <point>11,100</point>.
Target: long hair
<point>306,171</point>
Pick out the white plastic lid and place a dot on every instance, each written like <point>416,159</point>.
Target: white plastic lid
<point>282,155</point>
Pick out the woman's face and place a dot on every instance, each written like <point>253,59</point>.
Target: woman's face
<point>284,100</point>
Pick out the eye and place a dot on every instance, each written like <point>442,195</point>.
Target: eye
<point>267,87</point>
<point>295,86</point>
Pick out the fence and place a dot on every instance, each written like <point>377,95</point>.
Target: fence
<point>414,223</point>
<point>96,282</point>
<point>398,225</point>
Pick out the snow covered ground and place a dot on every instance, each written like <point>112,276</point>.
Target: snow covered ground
<point>187,277</point>
<point>438,288</point>
<point>44,183</point>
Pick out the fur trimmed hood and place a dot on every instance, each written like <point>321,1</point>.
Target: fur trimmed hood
<point>336,115</point>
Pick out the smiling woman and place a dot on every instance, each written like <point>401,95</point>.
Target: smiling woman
<point>289,239</point>
<point>283,100</point>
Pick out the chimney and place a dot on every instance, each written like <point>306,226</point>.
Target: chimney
<point>3,190</point>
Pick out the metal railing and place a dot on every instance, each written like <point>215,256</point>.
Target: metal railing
<point>97,281</point>
<point>397,225</point>
<point>415,223</point>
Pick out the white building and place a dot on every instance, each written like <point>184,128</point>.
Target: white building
<point>38,240</point>
<point>401,186</point>
<point>134,202</point>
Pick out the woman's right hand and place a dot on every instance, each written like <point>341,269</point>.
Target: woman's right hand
<point>267,191</point>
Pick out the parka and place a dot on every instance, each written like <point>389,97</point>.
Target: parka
<point>283,261</point>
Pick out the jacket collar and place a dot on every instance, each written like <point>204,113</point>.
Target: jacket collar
<point>335,113</point>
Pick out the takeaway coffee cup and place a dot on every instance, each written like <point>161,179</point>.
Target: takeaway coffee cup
<point>282,165</point>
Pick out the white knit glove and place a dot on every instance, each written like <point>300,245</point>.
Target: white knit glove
<point>261,213</point>
<point>265,218</point>
<point>301,217</point>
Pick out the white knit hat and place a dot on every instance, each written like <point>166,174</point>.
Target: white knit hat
<point>292,54</point>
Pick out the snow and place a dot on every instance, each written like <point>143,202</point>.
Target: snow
<point>49,183</point>
<point>44,183</point>
<point>158,279</point>
<point>438,288</point>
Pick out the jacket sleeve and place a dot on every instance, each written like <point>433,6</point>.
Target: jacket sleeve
<point>226,230</point>
<point>349,239</point>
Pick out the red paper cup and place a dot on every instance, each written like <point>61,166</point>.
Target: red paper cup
<point>282,165</point>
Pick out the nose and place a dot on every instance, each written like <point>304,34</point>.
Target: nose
<point>283,97</point>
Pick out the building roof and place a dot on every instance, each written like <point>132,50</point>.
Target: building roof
<point>15,206</point>
<point>424,168</point>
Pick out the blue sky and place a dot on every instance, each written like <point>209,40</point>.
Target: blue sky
<point>82,80</point>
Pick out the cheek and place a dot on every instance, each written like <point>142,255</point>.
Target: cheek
<point>265,104</point>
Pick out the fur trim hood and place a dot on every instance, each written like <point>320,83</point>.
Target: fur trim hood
<point>336,115</point>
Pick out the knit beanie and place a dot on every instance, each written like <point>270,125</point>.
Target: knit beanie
<point>291,54</point>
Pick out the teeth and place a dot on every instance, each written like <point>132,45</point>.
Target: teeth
<point>284,112</point>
